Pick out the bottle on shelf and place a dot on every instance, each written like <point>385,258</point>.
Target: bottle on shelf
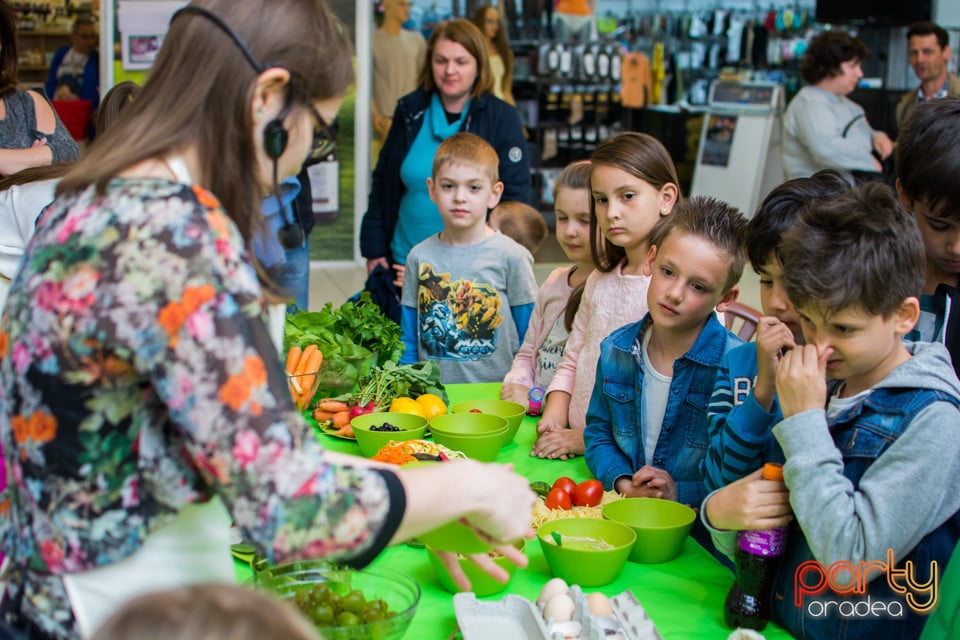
<point>757,558</point>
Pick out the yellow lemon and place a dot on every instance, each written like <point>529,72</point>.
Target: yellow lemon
<point>404,404</point>
<point>432,405</point>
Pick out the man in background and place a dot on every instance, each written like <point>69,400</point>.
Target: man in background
<point>398,55</point>
<point>928,48</point>
<point>75,69</point>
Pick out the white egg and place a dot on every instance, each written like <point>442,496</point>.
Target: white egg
<point>599,605</point>
<point>550,589</point>
<point>559,608</point>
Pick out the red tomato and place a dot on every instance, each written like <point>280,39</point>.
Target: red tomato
<point>558,499</point>
<point>565,484</point>
<point>588,493</point>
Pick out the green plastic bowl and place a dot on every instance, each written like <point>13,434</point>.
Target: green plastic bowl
<point>399,591</point>
<point>513,412</point>
<point>412,427</point>
<point>578,564</point>
<point>480,582</point>
<point>478,435</point>
<point>455,537</point>
<point>661,526</point>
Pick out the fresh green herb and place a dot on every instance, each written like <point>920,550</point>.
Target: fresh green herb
<point>540,488</point>
<point>392,380</point>
<point>353,330</point>
<point>366,325</point>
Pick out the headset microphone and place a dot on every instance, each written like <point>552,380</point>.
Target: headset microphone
<point>275,135</point>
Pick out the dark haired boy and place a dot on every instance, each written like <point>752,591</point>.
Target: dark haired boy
<point>743,407</point>
<point>646,425</point>
<point>928,175</point>
<point>869,427</point>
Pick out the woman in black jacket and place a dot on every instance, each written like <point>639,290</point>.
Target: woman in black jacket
<point>454,95</point>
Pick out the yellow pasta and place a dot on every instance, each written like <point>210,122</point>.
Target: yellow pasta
<point>541,514</point>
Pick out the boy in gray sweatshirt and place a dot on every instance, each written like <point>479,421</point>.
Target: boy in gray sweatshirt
<point>870,429</point>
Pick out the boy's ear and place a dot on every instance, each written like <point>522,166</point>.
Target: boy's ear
<point>648,261</point>
<point>430,185</point>
<point>906,316</point>
<point>728,298</point>
<point>495,192</point>
<point>905,199</point>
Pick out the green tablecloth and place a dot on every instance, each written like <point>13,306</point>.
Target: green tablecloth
<point>683,597</point>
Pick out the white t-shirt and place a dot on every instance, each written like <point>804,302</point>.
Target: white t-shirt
<point>656,392</point>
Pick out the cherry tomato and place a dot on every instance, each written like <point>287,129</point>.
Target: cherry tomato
<point>558,499</point>
<point>564,483</point>
<point>475,411</point>
<point>588,493</point>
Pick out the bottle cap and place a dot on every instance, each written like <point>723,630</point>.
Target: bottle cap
<point>772,471</point>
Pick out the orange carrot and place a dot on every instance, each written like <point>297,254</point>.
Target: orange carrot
<point>314,360</point>
<point>346,430</point>
<point>304,358</point>
<point>341,419</point>
<point>322,416</point>
<point>334,406</point>
<point>293,358</point>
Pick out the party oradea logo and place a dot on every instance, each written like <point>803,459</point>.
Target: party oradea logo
<point>838,589</point>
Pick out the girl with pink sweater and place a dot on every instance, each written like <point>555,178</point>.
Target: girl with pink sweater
<point>633,184</point>
<point>559,296</point>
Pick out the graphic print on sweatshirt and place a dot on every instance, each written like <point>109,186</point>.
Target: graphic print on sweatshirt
<point>459,319</point>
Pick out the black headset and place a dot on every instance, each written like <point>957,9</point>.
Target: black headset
<point>275,135</point>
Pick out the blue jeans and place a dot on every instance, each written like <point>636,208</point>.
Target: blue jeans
<point>293,276</point>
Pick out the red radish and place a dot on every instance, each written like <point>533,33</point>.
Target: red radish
<point>357,410</point>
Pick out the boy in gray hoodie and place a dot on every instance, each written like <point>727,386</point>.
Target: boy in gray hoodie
<point>870,429</point>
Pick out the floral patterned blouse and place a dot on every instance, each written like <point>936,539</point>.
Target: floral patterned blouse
<point>137,376</point>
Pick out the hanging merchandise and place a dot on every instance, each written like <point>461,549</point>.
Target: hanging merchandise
<point>636,90</point>
<point>615,68</point>
<point>325,187</point>
<point>658,72</point>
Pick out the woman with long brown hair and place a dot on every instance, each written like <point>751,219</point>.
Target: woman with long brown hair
<point>144,406</point>
<point>489,22</point>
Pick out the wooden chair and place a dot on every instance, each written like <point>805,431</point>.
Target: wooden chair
<point>744,317</point>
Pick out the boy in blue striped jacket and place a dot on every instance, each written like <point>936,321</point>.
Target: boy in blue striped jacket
<point>743,407</point>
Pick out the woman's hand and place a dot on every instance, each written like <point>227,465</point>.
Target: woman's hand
<point>882,144</point>
<point>559,443</point>
<point>513,392</point>
<point>452,562</point>
<point>750,503</point>
<point>496,502</point>
<point>373,263</point>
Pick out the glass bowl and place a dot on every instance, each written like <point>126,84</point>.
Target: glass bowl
<point>298,582</point>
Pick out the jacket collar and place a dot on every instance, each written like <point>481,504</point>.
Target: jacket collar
<point>707,349</point>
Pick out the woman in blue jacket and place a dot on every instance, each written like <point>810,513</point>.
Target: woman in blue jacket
<point>454,95</point>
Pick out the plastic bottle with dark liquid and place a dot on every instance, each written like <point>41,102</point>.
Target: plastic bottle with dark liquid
<point>757,559</point>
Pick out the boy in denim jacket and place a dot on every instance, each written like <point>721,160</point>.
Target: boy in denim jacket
<point>870,427</point>
<point>646,425</point>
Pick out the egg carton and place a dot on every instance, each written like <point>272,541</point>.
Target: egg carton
<point>516,618</point>
<point>512,618</point>
<point>628,622</point>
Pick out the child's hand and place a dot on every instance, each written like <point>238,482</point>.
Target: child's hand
<point>399,269</point>
<point>750,503</point>
<point>560,443</point>
<point>548,425</point>
<point>802,379</point>
<point>513,392</point>
<point>652,482</point>
<point>774,338</point>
